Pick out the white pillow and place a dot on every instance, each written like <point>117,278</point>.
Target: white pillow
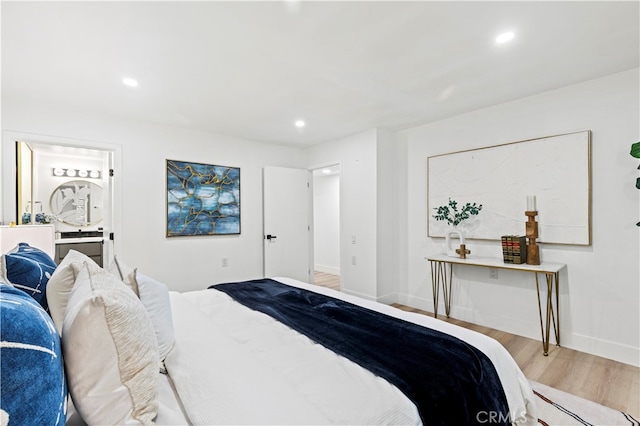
<point>110,351</point>
<point>123,272</point>
<point>154,295</point>
<point>61,283</point>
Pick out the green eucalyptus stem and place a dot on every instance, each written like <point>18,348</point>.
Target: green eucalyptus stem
<point>452,215</point>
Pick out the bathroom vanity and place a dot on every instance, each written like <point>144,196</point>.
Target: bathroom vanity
<point>91,245</point>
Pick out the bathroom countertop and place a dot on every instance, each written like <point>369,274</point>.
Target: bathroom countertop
<point>79,240</point>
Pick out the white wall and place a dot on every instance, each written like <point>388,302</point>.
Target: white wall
<point>600,288</point>
<point>183,263</point>
<point>357,156</point>
<point>326,223</point>
<point>389,215</point>
<point>369,178</point>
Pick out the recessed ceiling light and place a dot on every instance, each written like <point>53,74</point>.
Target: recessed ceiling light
<point>130,82</point>
<point>326,171</point>
<point>505,37</point>
<point>300,124</point>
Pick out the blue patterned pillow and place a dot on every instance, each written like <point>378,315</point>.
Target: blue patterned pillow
<point>32,382</point>
<point>29,269</point>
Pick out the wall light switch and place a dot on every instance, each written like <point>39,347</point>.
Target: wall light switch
<point>353,239</point>
<point>225,262</point>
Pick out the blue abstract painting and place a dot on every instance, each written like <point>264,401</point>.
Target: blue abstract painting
<point>202,199</point>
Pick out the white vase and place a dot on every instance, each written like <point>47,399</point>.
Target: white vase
<point>453,234</point>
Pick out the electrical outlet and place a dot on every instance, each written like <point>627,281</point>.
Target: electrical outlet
<point>225,262</point>
<point>493,273</point>
<point>353,260</point>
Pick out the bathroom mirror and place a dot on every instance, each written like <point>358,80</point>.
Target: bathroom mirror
<point>77,202</point>
<point>24,187</point>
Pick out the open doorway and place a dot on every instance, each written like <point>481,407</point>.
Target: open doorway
<point>66,183</point>
<point>326,226</point>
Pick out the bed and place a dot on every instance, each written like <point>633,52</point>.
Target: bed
<point>134,352</point>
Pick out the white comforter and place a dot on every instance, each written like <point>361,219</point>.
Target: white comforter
<point>232,365</point>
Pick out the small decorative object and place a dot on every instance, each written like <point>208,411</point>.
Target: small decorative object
<point>454,217</point>
<point>514,249</point>
<point>451,251</point>
<point>533,251</point>
<point>40,217</point>
<point>531,203</point>
<point>50,218</point>
<point>26,218</point>
<point>37,214</point>
<point>463,252</point>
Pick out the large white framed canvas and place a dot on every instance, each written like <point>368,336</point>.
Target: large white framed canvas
<point>555,169</point>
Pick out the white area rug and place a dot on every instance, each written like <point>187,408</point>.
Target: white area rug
<point>557,408</point>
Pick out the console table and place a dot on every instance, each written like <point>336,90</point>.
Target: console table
<point>440,274</point>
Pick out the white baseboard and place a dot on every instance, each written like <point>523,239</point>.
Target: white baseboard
<point>355,293</point>
<point>417,302</point>
<point>388,299</point>
<point>591,345</point>
<point>326,269</point>
<point>579,342</point>
<point>604,348</point>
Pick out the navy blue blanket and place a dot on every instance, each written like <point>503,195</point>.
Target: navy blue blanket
<point>450,381</point>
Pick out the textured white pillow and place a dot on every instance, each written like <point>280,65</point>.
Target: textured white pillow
<point>61,283</point>
<point>110,351</point>
<point>154,295</point>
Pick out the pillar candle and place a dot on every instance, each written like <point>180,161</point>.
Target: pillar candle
<point>531,203</point>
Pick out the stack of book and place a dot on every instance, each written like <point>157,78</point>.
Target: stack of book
<point>514,249</point>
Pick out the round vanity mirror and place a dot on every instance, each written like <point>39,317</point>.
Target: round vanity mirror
<point>77,202</point>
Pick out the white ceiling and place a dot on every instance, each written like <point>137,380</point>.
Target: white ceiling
<point>250,69</point>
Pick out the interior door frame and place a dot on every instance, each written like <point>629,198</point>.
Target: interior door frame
<point>8,213</point>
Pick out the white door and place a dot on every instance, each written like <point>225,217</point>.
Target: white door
<point>287,223</point>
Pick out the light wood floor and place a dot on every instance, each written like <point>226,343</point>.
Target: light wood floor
<point>607,382</point>
<point>326,280</point>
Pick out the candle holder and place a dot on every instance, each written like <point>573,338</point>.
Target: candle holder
<point>533,252</point>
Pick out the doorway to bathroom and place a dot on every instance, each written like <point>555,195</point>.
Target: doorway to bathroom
<point>69,184</point>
